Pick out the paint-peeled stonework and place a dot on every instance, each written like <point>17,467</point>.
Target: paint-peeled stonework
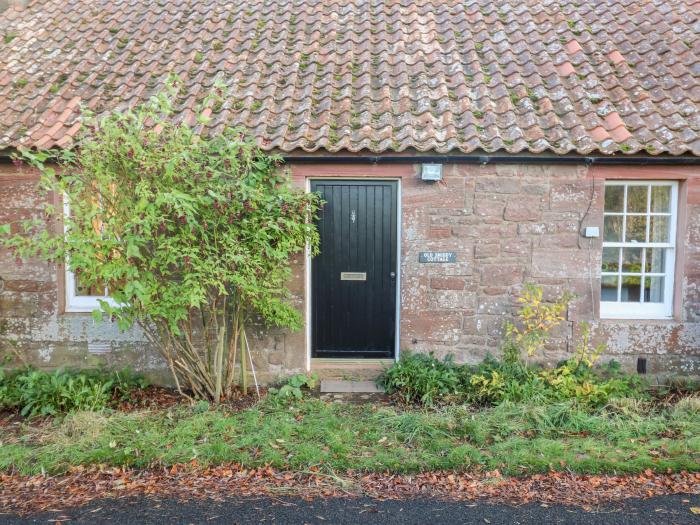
<point>507,224</point>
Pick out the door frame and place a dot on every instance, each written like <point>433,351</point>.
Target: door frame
<point>307,267</point>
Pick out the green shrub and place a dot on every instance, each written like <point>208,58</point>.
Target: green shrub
<point>293,387</point>
<point>426,380</point>
<point>421,378</point>
<point>193,224</point>
<point>37,393</point>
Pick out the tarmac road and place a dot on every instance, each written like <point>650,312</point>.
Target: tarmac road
<point>664,510</point>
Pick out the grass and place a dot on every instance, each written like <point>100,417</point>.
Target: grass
<point>625,437</point>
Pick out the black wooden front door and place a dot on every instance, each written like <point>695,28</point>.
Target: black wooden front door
<point>354,277</point>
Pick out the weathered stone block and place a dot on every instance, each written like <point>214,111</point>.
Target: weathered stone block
<point>536,228</point>
<point>275,357</point>
<point>519,209</point>
<point>484,250</point>
<point>497,185</point>
<point>496,327</point>
<point>572,195</point>
<point>535,188</point>
<point>16,304</point>
<point>20,194</point>
<point>475,325</point>
<point>501,274</point>
<point>439,233</point>
<point>443,326</point>
<point>551,262</point>
<point>27,285</point>
<point>560,240</point>
<point>516,247</point>
<point>414,292</point>
<point>494,305</point>
<point>447,283</point>
<point>489,205</point>
<point>475,341</point>
<point>450,194</point>
<point>463,300</point>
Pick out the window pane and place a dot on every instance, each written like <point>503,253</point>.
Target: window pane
<point>636,229</point>
<point>632,260</point>
<point>637,199</point>
<point>655,261</point>
<point>612,229</point>
<point>611,261</point>
<point>654,289</point>
<point>608,288</point>
<point>630,291</point>
<point>659,229</point>
<point>661,199</point>
<point>83,289</point>
<point>614,198</point>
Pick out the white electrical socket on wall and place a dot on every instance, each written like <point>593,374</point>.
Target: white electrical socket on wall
<point>591,232</point>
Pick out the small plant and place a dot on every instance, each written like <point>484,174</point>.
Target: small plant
<point>536,319</point>
<point>486,388</point>
<point>421,378</point>
<point>37,393</point>
<point>201,406</point>
<point>586,354</point>
<point>294,387</point>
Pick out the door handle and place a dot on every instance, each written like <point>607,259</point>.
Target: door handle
<point>392,275</point>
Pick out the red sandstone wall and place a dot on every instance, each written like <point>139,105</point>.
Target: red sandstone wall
<point>509,224</point>
<point>515,224</point>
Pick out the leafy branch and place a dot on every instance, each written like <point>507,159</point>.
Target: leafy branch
<point>192,234</point>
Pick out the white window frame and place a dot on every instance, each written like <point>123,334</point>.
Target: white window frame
<point>642,310</point>
<point>79,303</point>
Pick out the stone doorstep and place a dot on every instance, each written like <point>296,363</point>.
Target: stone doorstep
<point>351,364</point>
<point>341,386</point>
<point>349,369</point>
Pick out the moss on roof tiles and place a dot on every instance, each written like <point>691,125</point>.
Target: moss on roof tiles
<point>378,62</point>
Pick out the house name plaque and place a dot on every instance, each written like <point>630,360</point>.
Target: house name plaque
<point>437,257</point>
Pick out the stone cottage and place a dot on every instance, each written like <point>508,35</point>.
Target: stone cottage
<point>464,148</point>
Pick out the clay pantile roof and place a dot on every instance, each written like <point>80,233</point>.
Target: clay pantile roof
<point>594,76</point>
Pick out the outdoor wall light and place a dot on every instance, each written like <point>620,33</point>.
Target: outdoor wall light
<point>431,172</point>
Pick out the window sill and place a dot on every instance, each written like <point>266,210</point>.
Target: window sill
<point>639,320</point>
<point>86,304</point>
<point>74,310</point>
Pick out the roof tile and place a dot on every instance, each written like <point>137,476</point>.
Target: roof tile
<point>429,75</point>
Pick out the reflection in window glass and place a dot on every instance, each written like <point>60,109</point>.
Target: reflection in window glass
<point>655,260</point>
<point>613,228</point>
<point>630,290</point>
<point>659,228</point>
<point>638,249</point>
<point>654,289</point>
<point>632,260</point>
<point>615,199</point>
<point>636,230</point>
<point>608,288</point>
<point>611,259</point>
<point>661,199</point>
<point>637,199</point>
